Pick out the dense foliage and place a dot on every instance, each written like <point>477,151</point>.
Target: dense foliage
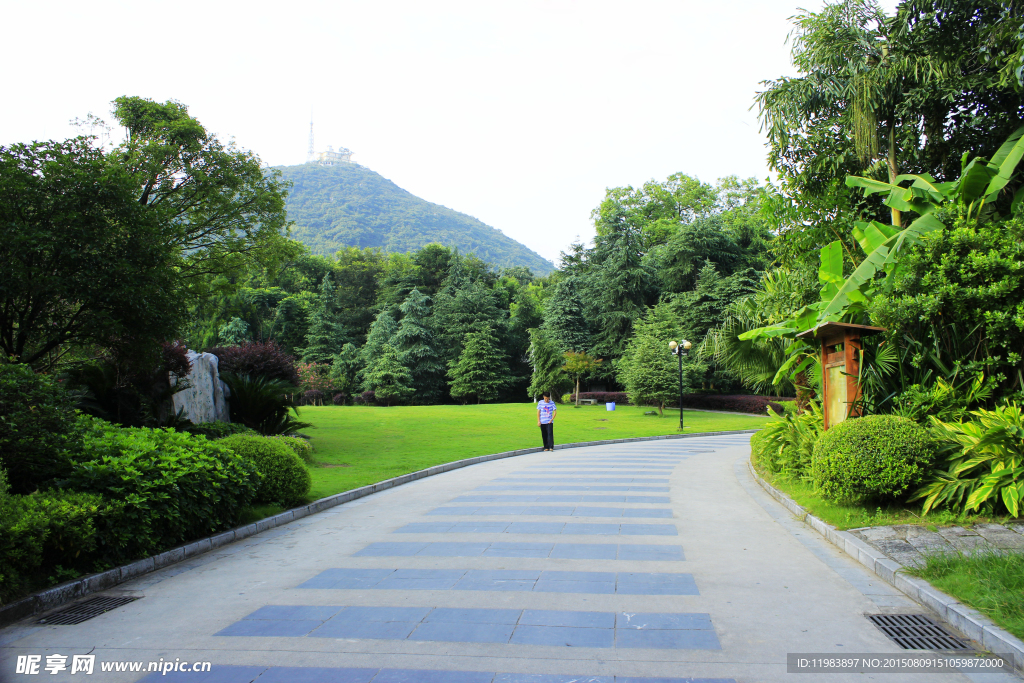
<point>283,478</point>
<point>877,456</point>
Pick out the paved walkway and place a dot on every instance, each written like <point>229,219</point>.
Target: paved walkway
<point>638,563</point>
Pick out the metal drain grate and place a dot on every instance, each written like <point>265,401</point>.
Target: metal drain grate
<point>84,611</point>
<point>917,632</point>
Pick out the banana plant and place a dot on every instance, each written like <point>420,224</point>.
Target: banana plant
<point>841,297</point>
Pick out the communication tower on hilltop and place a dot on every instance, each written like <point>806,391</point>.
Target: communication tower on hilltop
<point>328,158</point>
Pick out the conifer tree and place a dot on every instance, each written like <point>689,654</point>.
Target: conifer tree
<point>546,360</point>
<point>388,378</point>
<point>416,348</point>
<point>648,370</point>
<point>326,335</point>
<point>480,370</point>
<point>344,368</point>
<point>381,332</point>
<point>563,316</point>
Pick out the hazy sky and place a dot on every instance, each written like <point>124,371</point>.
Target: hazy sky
<point>517,113</point>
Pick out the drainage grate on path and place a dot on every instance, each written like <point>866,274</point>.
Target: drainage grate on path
<point>86,610</point>
<point>917,632</point>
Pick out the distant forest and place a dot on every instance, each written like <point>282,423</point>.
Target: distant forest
<point>351,206</point>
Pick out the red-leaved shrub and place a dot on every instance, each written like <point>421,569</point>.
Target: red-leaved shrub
<point>603,397</point>
<point>257,360</point>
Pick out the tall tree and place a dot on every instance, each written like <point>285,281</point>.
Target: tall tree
<point>417,349</point>
<point>546,359</point>
<point>480,371</point>
<point>647,369</point>
<point>564,318</point>
<point>388,378</point>
<point>326,335</point>
<point>381,333</point>
<point>578,366</point>
<point>81,261</point>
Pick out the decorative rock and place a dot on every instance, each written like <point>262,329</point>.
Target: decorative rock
<point>204,398</point>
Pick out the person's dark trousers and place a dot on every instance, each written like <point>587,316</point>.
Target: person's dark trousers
<point>547,433</point>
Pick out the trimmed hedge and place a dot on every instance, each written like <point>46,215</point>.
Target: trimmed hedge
<point>218,430</point>
<point>876,456</point>
<point>174,487</point>
<point>603,397</point>
<point>284,479</point>
<point>301,447</point>
<point>756,405</point>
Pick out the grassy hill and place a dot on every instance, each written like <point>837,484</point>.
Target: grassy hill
<point>350,205</point>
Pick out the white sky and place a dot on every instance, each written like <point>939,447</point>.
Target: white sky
<point>518,113</point>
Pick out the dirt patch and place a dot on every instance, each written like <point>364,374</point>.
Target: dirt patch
<point>327,464</point>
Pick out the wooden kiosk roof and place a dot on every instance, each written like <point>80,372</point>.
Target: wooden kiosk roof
<point>837,329</point>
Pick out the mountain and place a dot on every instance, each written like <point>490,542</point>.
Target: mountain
<point>350,205</point>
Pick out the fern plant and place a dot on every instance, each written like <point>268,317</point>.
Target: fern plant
<point>787,442</point>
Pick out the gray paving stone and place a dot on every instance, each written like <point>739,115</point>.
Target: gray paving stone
<point>963,540</point>
<point>999,536</point>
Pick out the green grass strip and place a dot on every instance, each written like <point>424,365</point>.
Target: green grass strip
<point>991,583</point>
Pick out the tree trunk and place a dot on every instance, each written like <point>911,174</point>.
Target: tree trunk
<point>897,218</point>
<point>661,409</point>
<point>577,391</point>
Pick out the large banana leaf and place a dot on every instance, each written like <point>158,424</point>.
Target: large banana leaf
<point>1005,161</point>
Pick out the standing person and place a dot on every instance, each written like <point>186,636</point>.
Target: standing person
<point>546,410</point>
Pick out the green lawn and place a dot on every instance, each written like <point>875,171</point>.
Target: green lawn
<point>360,445</point>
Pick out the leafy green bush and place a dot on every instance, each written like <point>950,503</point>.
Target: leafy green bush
<point>300,446</point>
<point>38,427</point>
<point>984,460</point>
<point>284,479</point>
<point>785,445</point>
<point>217,430</point>
<point>872,456</point>
<point>174,487</point>
<point>44,533</point>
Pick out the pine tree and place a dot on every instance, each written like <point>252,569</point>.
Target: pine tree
<point>546,359</point>
<point>648,370</point>
<point>563,316</point>
<point>326,335</point>
<point>457,312</point>
<point>480,370</point>
<point>234,333</point>
<point>417,348</point>
<point>388,378</point>
<point>381,332</point>
<point>344,368</point>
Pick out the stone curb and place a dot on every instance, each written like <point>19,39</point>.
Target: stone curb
<point>967,621</point>
<point>72,590</point>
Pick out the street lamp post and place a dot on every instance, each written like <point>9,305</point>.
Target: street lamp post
<point>680,350</point>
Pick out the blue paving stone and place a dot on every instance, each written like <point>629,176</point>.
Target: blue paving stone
<point>550,678</point>
<point>578,576</point>
<point>584,551</point>
<point>463,615</point>
<point>463,633</point>
<point>265,627</point>
<point>216,674</point>
<point>535,528</point>
<point>592,529</point>
<point>499,580</point>
<point>630,679</point>
<point>563,636</point>
<point>468,510</point>
<point>585,511</point>
<point>518,550</point>
<point>453,549</point>
<point>347,578</point>
<point>662,620</point>
<point>544,617</point>
<point>312,674</point>
<point>651,552</point>
<point>425,528</point>
<point>668,640</point>
<point>550,510</point>
<point>656,584</point>
<point>381,630</point>
<point>357,615</point>
<point>421,579</point>
<point>428,676</point>
<point>647,499</point>
<point>295,613</point>
<point>639,512</point>
<point>649,530</point>
<point>479,527</point>
<point>592,587</point>
<point>390,550</point>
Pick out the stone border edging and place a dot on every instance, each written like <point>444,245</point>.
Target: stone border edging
<point>969,622</point>
<point>72,590</point>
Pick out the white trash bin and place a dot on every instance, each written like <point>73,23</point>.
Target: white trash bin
<point>609,406</point>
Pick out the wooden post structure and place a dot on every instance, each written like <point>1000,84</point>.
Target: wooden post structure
<point>840,368</point>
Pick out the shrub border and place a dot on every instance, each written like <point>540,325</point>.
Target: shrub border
<point>967,621</point>
<point>72,590</point>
